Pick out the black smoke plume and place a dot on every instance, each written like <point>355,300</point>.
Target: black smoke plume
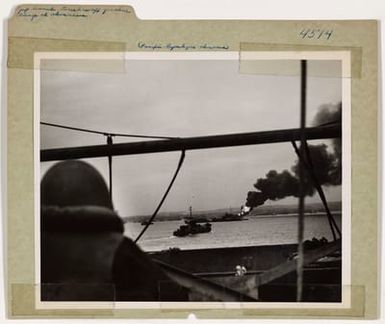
<point>255,199</point>
<point>326,166</point>
<point>330,114</point>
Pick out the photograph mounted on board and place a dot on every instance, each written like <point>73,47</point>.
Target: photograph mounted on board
<point>194,177</point>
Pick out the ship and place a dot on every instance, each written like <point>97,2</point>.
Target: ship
<point>191,228</point>
<point>228,218</point>
<point>144,223</point>
<point>197,219</point>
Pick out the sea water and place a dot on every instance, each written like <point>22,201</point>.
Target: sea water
<point>256,230</point>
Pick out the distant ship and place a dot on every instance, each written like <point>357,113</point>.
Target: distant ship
<point>197,219</point>
<point>146,222</point>
<point>228,218</point>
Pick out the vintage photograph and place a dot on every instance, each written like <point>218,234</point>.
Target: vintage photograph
<point>193,178</point>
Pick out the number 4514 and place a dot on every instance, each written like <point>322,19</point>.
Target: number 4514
<point>315,33</point>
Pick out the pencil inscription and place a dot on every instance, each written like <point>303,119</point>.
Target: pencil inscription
<point>36,13</point>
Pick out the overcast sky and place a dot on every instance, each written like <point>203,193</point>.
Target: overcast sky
<point>181,98</point>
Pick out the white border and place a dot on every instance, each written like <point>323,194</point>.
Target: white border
<point>344,56</point>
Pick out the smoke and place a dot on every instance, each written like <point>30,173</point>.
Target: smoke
<point>278,185</point>
<point>255,199</point>
<point>329,114</point>
<point>326,166</point>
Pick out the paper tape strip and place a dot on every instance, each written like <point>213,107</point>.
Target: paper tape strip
<point>282,59</point>
<point>23,305</point>
<point>354,308</point>
<point>66,55</point>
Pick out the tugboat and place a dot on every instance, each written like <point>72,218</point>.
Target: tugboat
<point>191,227</point>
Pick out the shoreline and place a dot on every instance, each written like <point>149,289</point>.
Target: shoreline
<point>249,217</point>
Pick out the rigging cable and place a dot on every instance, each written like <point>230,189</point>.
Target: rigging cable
<point>180,163</point>
<point>85,130</point>
<point>109,142</point>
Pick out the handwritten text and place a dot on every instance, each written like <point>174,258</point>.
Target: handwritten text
<point>181,47</point>
<point>34,13</point>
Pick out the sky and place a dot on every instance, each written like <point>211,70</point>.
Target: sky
<point>181,98</point>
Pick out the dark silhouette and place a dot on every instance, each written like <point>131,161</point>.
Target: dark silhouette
<point>84,254</point>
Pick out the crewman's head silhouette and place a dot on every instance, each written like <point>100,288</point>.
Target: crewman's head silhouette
<point>74,183</point>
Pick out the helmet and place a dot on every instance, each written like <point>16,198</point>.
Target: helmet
<point>74,183</point>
